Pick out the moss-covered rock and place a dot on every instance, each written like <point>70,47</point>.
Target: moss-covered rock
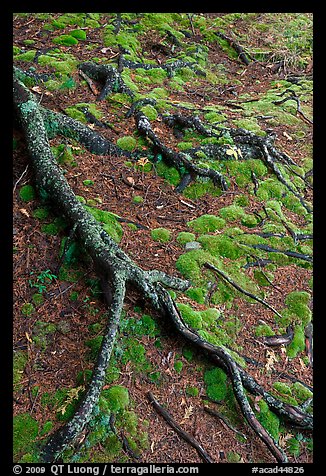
<point>185,237</point>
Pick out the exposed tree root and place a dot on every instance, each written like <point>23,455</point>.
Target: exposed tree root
<point>117,269</point>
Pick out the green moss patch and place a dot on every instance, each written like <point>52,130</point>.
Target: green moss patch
<point>216,384</point>
<point>206,224</point>
<point>109,222</point>
<point>27,193</point>
<point>127,143</point>
<point>25,432</point>
<point>161,234</point>
<point>116,398</point>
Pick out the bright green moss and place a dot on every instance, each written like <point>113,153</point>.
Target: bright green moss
<point>137,199</point>
<point>221,246</point>
<point>189,264</point>
<point>263,330</point>
<point>50,229</point>
<point>200,188</point>
<point>206,223</point>
<point>184,145</point>
<point>27,56</point>
<point>109,222</point>
<point>191,317</point>
<point>282,388</point>
<point>178,366</point>
<point>216,386</point>
<point>268,419</point>
<point>214,117</point>
<point>27,193</point>
<point>197,294</point>
<point>293,447</point>
<point>301,392</point>
<point>298,342</point>
<point>231,213</point>
<point>78,34</point>
<point>161,234</point>
<point>127,143</point>
<point>150,112</point>
<point>25,432</point>
<point>184,237</point>
<point>298,303</point>
<point>66,40</point>
<point>117,397</point>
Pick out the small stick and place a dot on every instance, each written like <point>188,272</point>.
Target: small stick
<point>229,280</point>
<point>186,436</point>
<point>225,420</point>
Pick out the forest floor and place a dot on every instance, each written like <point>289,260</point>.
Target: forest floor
<point>59,315</point>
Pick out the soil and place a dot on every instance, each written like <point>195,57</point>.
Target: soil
<point>57,365</point>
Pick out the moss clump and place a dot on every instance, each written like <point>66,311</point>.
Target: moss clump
<point>27,309</point>
<point>150,112</point>
<point>192,391</point>
<point>42,332</point>
<point>191,317</point>
<point>197,294</point>
<point>189,264</point>
<point>178,365</point>
<point>116,397</point>
<point>88,182</point>
<point>94,347</point>
<point>27,193</point>
<point>242,201</point>
<point>161,234</point>
<point>25,432</point>
<point>298,342</point>
<point>293,447</point>
<point>78,34</point>
<point>66,40</point>
<point>263,330</point>
<point>127,143</point>
<point>19,361</point>
<point>206,223</point>
<point>188,353</point>
<point>137,199</point>
<point>221,246</point>
<point>231,213</point>
<point>301,392</point>
<point>216,384</point>
<point>41,213</point>
<point>184,145</point>
<point>298,302</point>
<point>170,174</point>
<point>268,419</point>
<point>184,237</point>
<point>37,299</point>
<point>109,222</point>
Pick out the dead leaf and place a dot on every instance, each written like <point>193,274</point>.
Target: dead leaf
<point>130,180</point>
<point>142,161</point>
<point>271,359</point>
<point>283,439</point>
<point>24,212</point>
<point>188,412</point>
<point>152,446</point>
